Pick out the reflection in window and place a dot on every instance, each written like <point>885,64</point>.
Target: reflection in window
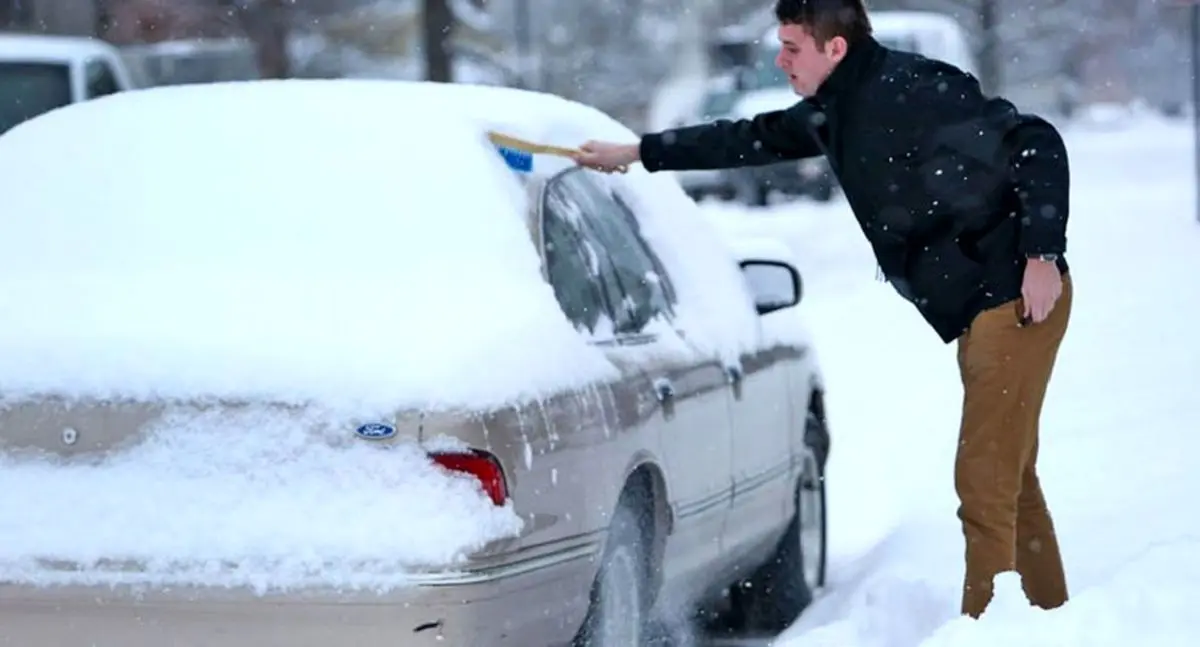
<point>636,286</point>
<point>573,268</point>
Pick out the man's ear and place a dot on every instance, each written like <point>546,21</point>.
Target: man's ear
<point>836,48</point>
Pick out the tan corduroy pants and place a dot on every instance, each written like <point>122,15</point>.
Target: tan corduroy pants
<point>1005,369</point>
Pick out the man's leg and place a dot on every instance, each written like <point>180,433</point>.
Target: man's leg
<point>1038,558</point>
<point>1005,369</point>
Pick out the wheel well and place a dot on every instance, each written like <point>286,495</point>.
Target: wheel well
<point>647,487</point>
<point>816,407</point>
<point>816,404</point>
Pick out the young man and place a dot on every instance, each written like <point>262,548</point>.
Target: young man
<point>964,201</point>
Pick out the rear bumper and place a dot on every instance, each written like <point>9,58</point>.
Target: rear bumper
<point>529,608</point>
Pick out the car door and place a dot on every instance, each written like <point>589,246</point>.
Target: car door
<point>761,450</point>
<point>692,415</point>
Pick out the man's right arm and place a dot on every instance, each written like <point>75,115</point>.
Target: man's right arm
<point>767,138</point>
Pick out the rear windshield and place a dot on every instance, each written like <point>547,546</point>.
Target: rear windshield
<point>30,89</point>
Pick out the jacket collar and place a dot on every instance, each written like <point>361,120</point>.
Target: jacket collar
<point>848,73</point>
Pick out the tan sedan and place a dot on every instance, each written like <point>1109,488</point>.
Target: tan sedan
<point>688,481</point>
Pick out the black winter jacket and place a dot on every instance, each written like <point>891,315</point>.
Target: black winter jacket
<point>953,190</point>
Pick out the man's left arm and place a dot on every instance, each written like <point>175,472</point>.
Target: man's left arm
<point>1042,180</point>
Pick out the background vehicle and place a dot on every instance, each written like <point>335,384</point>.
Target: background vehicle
<point>41,73</point>
<point>753,185</point>
<point>729,99</point>
<point>640,420</point>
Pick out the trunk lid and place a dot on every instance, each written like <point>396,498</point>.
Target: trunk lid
<point>230,494</point>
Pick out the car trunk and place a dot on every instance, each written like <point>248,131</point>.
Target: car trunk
<point>229,493</point>
<point>69,428</point>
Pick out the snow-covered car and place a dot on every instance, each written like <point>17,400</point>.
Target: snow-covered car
<point>308,363</point>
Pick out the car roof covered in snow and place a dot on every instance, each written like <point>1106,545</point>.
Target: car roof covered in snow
<point>155,238</point>
<point>887,21</point>
<point>59,49</point>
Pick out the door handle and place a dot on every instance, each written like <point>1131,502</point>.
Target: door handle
<point>734,377</point>
<point>664,392</point>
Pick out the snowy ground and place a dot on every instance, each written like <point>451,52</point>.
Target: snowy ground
<point>1120,430</point>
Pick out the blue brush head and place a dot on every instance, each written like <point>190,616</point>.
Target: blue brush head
<point>517,160</point>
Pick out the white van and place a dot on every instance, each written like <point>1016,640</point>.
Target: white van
<point>930,34</point>
<point>41,73</point>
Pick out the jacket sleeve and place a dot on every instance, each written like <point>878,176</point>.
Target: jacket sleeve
<point>767,138</point>
<point>977,145</point>
<point>1042,179</point>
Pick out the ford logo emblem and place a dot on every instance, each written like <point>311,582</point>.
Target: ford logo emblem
<point>375,431</point>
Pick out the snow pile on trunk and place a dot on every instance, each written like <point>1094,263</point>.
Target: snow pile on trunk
<point>260,498</point>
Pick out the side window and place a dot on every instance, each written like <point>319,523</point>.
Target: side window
<point>100,79</point>
<point>635,284</point>
<point>573,269</point>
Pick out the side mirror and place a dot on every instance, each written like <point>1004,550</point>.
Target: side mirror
<point>775,285</point>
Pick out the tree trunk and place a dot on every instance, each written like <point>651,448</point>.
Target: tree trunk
<point>991,68</point>
<point>437,23</point>
<point>266,24</point>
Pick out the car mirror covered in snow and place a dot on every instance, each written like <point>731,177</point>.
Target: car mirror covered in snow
<point>775,285</point>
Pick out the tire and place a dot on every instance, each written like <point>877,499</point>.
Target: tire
<point>811,520</point>
<point>762,196</point>
<point>782,588</point>
<point>621,595</point>
<point>822,190</point>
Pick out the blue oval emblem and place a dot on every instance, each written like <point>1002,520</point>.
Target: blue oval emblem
<point>375,431</point>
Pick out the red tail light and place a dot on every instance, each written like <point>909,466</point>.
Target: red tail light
<point>479,464</point>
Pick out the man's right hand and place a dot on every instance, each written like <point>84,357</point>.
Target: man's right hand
<point>607,156</point>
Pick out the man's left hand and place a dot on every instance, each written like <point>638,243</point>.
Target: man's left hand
<point>1040,289</point>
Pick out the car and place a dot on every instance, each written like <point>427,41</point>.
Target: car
<point>309,362</point>
<point>39,73</point>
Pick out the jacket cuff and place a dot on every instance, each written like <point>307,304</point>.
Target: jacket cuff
<point>650,150</point>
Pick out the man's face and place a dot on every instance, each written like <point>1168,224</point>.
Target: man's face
<point>806,63</point>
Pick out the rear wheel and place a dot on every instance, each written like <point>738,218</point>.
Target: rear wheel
<point>621,595</point>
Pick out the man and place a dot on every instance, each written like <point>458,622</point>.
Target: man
<point>964,201</point>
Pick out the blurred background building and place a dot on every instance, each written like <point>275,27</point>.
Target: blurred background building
<point>647,62</point>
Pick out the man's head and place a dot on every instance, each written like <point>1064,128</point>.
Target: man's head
<point>815,36</point>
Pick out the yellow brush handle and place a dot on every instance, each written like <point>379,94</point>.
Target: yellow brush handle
<point>509,141</point>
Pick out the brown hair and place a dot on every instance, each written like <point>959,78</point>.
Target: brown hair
<point>827,19</point>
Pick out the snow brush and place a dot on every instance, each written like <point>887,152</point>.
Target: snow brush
<point>518,153</point>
